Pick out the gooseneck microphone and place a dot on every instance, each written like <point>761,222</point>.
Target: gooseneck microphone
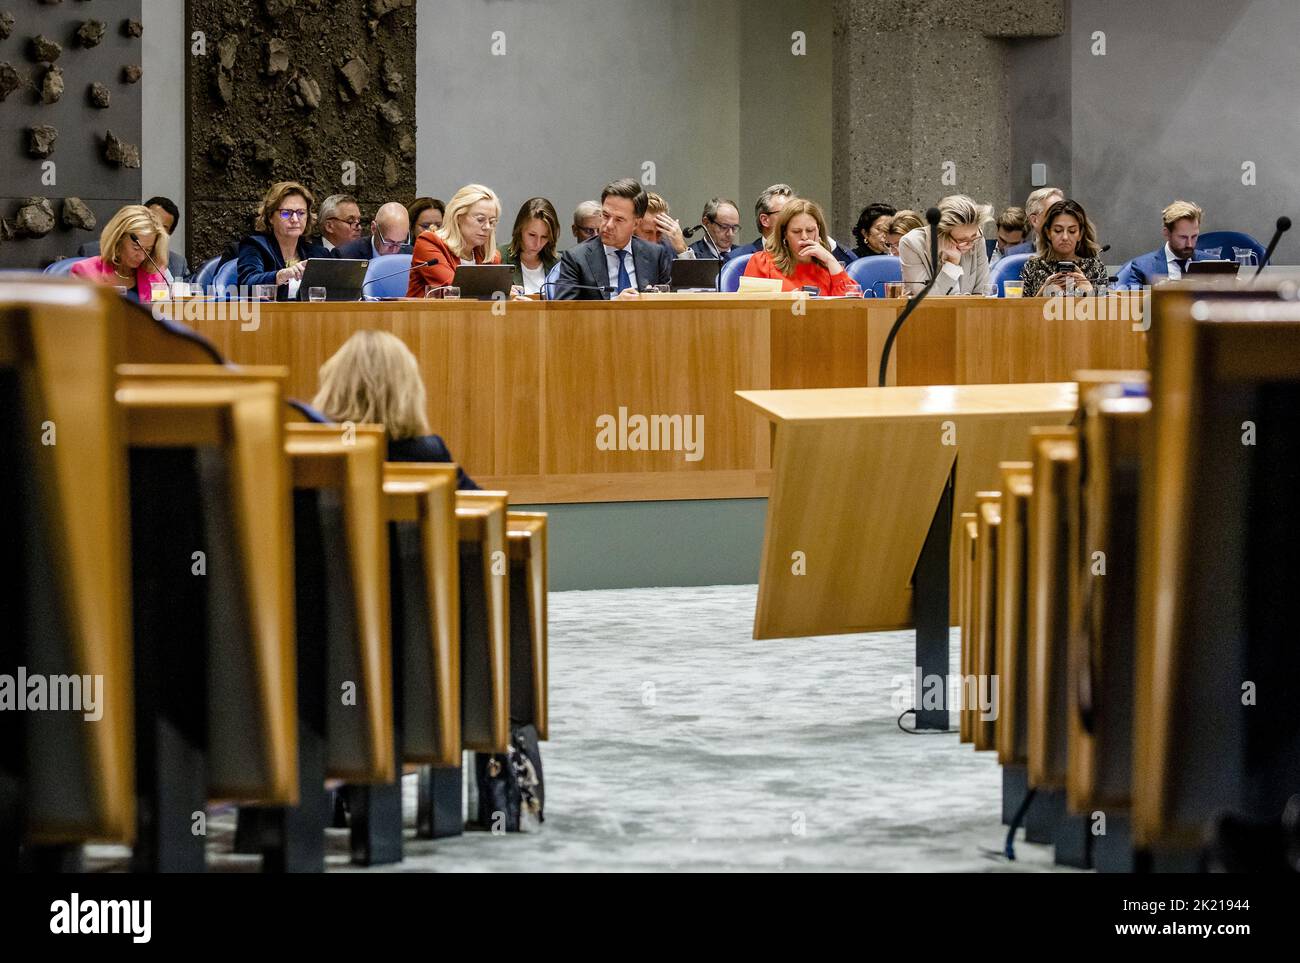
<point>1283,225</point>
<point>692,231</point>
<point>167,274</point>
<point>932,218</point>
<point>419,264</point>
<point>604,289</point>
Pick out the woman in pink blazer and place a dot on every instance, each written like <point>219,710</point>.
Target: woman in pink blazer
<point>131,238</point>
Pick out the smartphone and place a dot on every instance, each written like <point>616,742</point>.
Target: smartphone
<point>1066,267</point>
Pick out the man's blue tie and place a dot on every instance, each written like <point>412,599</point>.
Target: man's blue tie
<point>624,279</point>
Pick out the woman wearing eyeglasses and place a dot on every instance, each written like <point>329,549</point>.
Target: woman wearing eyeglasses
<point>963,266</point>
<point>468,233</point>
<point>277,254</point>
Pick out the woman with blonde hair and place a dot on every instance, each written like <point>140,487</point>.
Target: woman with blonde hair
<point>278,253</point>
<point>798,252</point>
<point>374,379</point>
<point>131,237</point>
<point>900,224</point>
<point>963,266</point>
<point>468,233</point>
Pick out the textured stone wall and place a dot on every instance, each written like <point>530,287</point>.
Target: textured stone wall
<point>319,91</point>
<point>70,121</point>
<point>920,99</point>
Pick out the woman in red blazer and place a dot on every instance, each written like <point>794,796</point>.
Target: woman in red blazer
<point>468,233</point>
<point>797,252</point>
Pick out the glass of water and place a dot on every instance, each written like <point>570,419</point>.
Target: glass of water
<point>315,294</point>
<point>159,291</point>
<point>264,292</point>
<point>451,293</point>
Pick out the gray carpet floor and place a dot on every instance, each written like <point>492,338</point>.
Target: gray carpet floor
<point>678,742</point>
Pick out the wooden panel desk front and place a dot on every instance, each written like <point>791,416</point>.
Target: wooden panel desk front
<point>857,473</point>
<point>516,388</point>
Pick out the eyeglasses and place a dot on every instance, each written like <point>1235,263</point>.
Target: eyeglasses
<point>483,220</point>
<point>725,228</point>
<point>292,214</point>
<point>349,221</point>
<point>588,231</point>
<point>385,242</point>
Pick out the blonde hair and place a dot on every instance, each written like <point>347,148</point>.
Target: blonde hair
<point>277,195</point>
<point>133,219</point>
<point>776,244</point>
<point>956,210</point>
<point>905,221</point>
<point>655,204</point>
<point>374,379</point>
<point>460,203</point>
<point>1179,210</point>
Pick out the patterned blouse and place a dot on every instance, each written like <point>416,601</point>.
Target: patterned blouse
<point>1037,270</point>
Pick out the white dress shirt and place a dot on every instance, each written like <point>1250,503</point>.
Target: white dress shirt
<point>1175,272</point>
<point>611,261</point>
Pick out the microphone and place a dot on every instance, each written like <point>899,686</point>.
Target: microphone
<point>1104,249</point>
<point>383,277</point>
<point>167,274</point>
<point>1283,225</point>
<point>602,288</point>
<point>932,216</point>
<point>692,231</point>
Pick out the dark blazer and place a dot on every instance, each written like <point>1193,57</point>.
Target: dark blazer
<point>703,248</point>
<point>428,448</point>
<point>1146,269</point>
<point>362,249</point>
<point>176,265</point>
<point>752,248</point>
<point>586,265</point>
<point>259,260</point>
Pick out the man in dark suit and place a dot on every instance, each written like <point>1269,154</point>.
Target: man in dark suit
<point>1182,228</point>
<point>721,220</point>
<point>389,234</point>
<point>614,261</point>
<point>168,214</point>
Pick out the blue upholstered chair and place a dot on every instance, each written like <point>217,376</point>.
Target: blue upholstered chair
<point>873,272</point>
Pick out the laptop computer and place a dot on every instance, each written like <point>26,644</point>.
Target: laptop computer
<point>1212,267</point>
<point>484,281</point>
<point>342,279</point>
<point>695,274</point>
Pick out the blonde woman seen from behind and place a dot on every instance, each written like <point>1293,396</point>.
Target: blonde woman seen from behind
<point>374,379</point>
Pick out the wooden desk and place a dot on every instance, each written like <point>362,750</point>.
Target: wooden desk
<point>857,473</point>
<point>516,388</point>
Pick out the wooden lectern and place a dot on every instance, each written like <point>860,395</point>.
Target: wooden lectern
<point>867,484</point>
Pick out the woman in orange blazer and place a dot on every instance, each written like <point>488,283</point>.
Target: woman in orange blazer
<point>797,252</point>
<point>468,233</point>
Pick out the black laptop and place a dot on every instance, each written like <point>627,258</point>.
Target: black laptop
<point>341,279</point>
<point>695,274</point>
<point>484,282</point>
<point>1212,267</point>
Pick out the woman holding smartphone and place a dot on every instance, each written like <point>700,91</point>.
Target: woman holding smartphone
<point>1068,258</point>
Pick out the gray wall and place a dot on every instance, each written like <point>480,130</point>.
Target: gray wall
<point>589,90</point>
<point>1185,94</point>
<point>162,156</point>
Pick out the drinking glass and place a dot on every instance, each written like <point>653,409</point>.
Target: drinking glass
<point>451,293</point>
<point>264,292</point>
<point>1013,289</point>
<point>159,291</point>
<point>315,294</point>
